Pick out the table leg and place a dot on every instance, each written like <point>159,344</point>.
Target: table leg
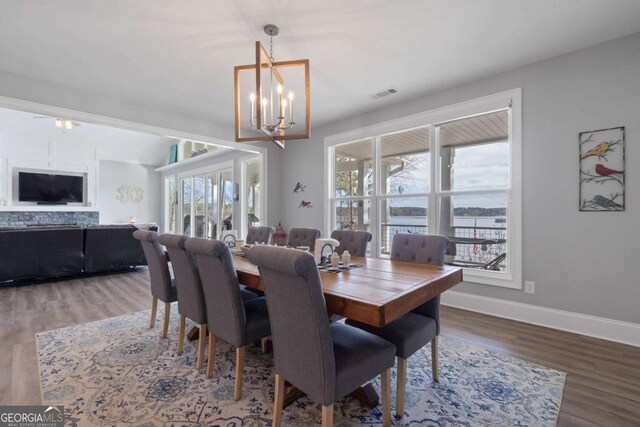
<point>291,394</point>
<point>194,334</point>
<point>366,395</point>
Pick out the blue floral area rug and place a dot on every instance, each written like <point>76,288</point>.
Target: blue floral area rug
<point>118,371</point>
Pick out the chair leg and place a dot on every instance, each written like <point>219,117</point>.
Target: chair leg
<point>386,397</point>
<point>237,389</point>
<point>434,359</point>
<point>181,333</point>
<point>327,416</point>
<point>213,340</point>
<point>154,308</point>
<point>278,401</point>
<point>167,313</point>
<point>400,384</point>
<point>202,340</point>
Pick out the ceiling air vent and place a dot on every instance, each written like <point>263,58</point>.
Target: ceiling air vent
<point>384,93</point>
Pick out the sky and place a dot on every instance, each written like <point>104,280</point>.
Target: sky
<point>478,167</point>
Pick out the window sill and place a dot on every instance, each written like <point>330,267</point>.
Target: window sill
<point>491,278</point>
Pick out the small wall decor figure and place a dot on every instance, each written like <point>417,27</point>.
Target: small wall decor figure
<point>304,204</point>
<point>602,170</point>
<point>299,188</point>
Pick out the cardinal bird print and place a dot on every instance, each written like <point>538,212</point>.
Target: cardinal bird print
<point>602,175</point>
<point>304,204</point>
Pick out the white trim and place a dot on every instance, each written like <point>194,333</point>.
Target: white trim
<point>191,160</point>
<point>583,324</point>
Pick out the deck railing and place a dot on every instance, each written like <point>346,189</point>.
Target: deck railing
<point>471,246</point>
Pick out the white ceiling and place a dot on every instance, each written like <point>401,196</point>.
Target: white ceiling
<point>179,56</point>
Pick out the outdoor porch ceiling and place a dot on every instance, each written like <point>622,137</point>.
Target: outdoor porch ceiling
<point>469,131</point>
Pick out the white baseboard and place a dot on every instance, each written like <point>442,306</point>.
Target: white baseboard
<point>598,327</point>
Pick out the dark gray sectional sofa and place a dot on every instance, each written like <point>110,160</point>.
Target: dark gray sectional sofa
<point>40,253</point>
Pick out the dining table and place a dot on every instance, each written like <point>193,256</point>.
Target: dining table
<point>374,291</point>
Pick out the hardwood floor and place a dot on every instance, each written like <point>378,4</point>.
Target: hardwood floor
<point>603,378</point>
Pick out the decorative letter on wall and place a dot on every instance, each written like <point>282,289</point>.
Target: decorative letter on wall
<point>602,170</point>
<point>129,194</point>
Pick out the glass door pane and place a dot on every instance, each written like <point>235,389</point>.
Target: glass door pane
<point>226,199</point>
<point>199,207</point>
<point>186,206</point>
<point>170,198</point>
<point>252,180</point>
<point>212,206</point>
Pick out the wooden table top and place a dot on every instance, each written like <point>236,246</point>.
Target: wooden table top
<point>378,292</point>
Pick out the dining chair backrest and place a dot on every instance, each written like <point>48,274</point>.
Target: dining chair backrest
<point>302,344</point>
<point>260,234</point>
<point>303,237</point>
<point>157,263</point>
<point>355,242</point>
<point>226,317</point>
<point>423,249</point>
<point>190,295</point>
<point>420,248</point>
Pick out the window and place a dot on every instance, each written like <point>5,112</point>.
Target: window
<point>453,171</point>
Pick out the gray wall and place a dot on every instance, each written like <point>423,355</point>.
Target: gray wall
<point>581,262</point>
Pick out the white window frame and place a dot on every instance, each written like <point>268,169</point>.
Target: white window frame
<point>244,162</point>
<point>165,203</point>
<point>512,99</point>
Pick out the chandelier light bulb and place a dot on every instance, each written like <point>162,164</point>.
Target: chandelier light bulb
<point>68,124</point>
<point>252,97</point>
<point>58,123</point>
<point>290,96</point>
<point>279,88</point>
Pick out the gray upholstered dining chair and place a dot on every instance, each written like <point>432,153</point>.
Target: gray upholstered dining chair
<point>325,360</point>
<point>355,242</point>
<point>261,234</point>
<point>162,286</point>
<point>415,329</point>
<point>190,296</point>
<point>230,318</point>
<point>303,237</point>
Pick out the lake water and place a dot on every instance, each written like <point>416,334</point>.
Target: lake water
<point>459,221</point>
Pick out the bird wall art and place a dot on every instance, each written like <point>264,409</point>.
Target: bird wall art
<point>602,178</point>
<point>299,188</point>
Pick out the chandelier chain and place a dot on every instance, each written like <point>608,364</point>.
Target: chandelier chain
<point>271,48</point>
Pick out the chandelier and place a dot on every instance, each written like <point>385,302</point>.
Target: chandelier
<point>266,97</point>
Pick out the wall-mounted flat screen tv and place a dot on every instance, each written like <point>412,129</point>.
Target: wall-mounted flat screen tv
<point>50,188</point>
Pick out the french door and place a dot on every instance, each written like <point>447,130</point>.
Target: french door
<point>206,204</point>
